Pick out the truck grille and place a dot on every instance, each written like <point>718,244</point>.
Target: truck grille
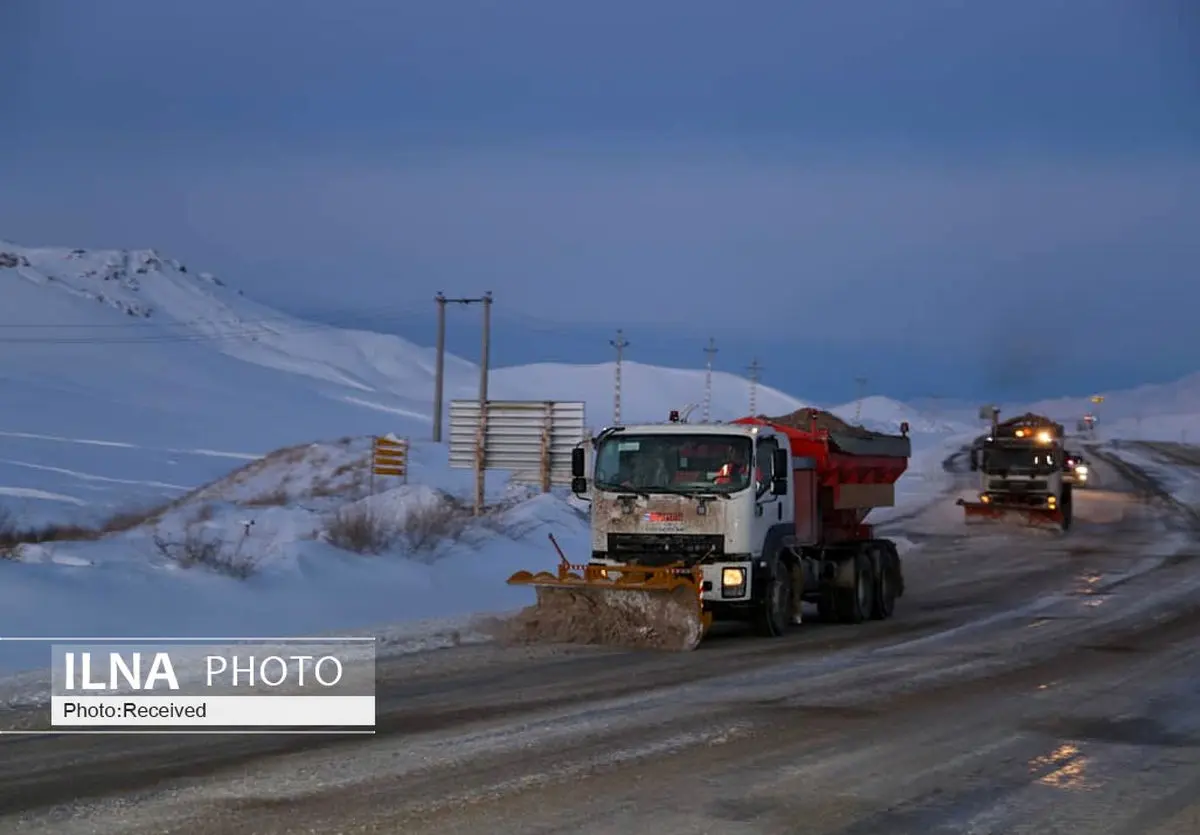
<point>663,548</point>
<point>1018,486</point>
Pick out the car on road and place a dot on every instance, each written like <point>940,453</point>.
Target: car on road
<point>1077,471</point>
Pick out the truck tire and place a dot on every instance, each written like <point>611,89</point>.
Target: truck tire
<point>1068,507</point>
<point>774,614</point>
<point>886,589</point>
<point>855,604</point>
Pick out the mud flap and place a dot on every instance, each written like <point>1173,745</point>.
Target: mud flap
<point>797,571</point>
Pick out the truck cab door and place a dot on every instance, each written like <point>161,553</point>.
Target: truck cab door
<point>769,509</point>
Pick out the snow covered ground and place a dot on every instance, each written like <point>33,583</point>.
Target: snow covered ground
<point>1181,481</point>
<point>132,381</point>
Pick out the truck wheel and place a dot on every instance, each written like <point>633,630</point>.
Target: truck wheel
<point>774,613</point>
<point>885,586</point>
<point>1068,508</point>
<point>854,605</point>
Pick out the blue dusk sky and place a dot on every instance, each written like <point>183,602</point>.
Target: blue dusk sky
<point>961,199</point>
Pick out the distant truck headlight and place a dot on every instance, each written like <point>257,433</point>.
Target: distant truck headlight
<point>1081,470</point>
<point>733,582</point>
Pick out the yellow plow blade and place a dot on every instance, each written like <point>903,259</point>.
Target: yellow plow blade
<point>1035,517</point>
<point>630,606</point>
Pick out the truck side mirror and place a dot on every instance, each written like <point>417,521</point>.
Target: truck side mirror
<point>779,463</point>
<point>779,471</point>
<point>579,484</point>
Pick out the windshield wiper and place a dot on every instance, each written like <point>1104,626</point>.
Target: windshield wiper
<point>617,488</point>
<point>690,491</point>
<point>711,494</point>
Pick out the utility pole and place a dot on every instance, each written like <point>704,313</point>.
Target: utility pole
<point>485,354</point>
<point>861,382</point>
<point>439,376</point>
<point>710,351</point>
<point>755,369</point>
<point>439,382</point>
<point>620,344</point>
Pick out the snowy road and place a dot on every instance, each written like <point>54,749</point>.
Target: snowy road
<point>1027,683</point>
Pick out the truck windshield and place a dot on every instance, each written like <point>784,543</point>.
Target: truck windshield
<point>1021,459</point>
<point>675,463</point>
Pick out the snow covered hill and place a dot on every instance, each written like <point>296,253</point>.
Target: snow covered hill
<point>1162,411</point>
<point>648,392</point>
<point>129,376</point>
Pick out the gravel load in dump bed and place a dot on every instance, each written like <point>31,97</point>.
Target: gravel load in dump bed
<point>801,419</point>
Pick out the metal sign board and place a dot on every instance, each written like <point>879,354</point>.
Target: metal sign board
<point>531,439</point>
<point>389,456</point>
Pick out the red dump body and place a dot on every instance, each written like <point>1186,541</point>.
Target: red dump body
<point>849,475</point>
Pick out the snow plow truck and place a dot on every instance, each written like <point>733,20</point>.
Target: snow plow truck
<point>1023,474</point>
<point>741,521</point>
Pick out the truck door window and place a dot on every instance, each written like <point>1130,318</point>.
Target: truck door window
<point>763,463</point>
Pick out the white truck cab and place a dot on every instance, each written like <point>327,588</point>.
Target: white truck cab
<point>716,495</point>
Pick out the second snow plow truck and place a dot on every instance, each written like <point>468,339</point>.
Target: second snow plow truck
<point>1022,467</point>
<point>693,523</point>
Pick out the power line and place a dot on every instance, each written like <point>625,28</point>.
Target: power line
<point>620,343</point>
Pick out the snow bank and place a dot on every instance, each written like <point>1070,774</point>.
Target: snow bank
<point>1182,482</point>
<point>273,517</point>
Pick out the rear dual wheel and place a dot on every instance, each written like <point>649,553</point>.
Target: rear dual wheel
<point>872,595</point>
<point>855,604</point>
<point>888,584</point>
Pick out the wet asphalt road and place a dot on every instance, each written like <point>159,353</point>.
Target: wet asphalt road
<point>1028,683</point>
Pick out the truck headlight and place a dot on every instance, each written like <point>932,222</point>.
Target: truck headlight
<point>1052,501</point>
<point>733,582</point>
<point>1081,470</point>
